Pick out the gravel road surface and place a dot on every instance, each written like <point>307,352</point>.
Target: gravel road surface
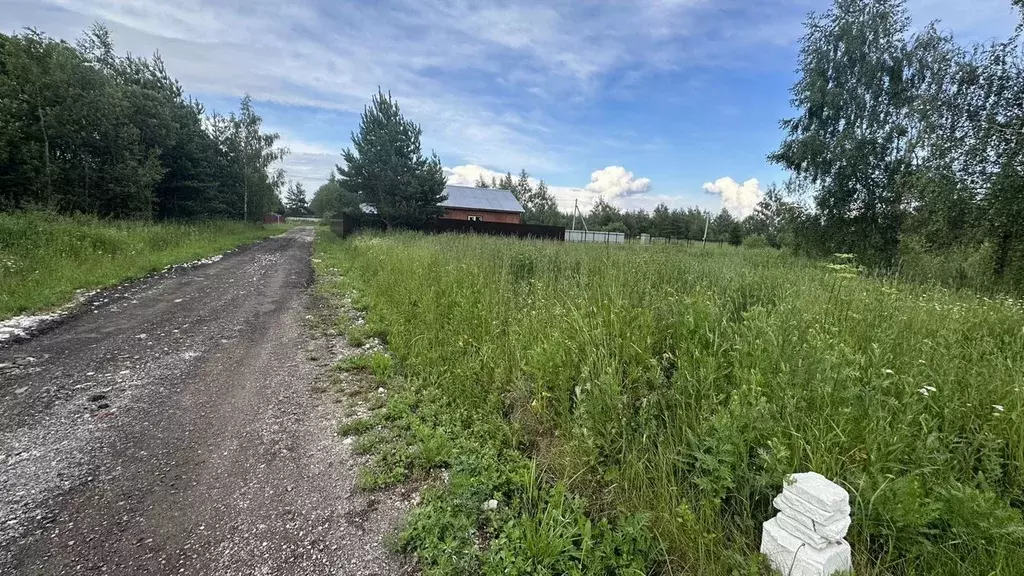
<point>173,427</point>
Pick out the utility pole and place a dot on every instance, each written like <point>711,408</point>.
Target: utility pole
<point>707,222</point>
<point>575,211</point>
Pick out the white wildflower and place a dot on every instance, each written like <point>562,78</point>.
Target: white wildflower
<point>887,371</point>
<point>998,408</point>
<point>924,391</point>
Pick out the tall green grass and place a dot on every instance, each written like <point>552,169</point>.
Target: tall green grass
<point>45,258</point>
<point>677,387</point>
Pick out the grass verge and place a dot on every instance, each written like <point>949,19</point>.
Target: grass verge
<point>635,409</point>
<point>45,259</point>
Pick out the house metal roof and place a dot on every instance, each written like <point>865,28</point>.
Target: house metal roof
<point>481,199</point>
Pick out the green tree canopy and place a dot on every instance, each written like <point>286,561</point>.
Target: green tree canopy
<point>83,129</point>
<point>854,138</point>
<point>541,207</point>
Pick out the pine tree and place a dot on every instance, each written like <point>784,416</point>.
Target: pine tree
<point>541,207</point>
<point>661,221</point>
<point>481,182</point>
<point>522,189</point>
<point>326,200</point>
<point>295,200</point>
<point>386,169</point>
<point>506,183</point>
<point>83,129</point>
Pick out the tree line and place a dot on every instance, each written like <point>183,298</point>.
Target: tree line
<point>83,130</point>
<point>908,144</point>
<point>386,177</point>
<point>905,146</point>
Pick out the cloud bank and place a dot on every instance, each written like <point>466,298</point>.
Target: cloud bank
<point>739,199</point>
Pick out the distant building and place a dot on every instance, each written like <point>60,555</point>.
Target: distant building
<point>481,204</point>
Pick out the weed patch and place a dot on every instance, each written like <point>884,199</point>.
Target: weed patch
<point>636,408</point>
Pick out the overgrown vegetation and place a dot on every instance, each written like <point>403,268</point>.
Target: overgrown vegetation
<point>636,408</point>
<point>45,258</point>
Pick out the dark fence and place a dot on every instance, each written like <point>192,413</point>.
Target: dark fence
<point>348,224</point>
<point>443,225</point>
<point>344,225</point>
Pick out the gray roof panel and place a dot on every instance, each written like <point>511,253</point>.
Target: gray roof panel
<point>481,199</point>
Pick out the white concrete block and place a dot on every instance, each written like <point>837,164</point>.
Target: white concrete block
<point>788,501</point>
<point>834,531</point>
<point>802,532</point>
<point>792,557</point>
<point>817,491</point>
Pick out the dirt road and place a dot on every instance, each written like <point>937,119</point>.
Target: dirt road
<point>173,428</point>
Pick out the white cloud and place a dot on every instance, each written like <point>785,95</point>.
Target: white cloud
<point>310,163</point>
<point>468,174</point>
<point>616,181</point>
<point>739,199</point>
<point>616,185</point>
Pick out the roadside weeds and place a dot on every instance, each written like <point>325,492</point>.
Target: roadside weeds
<point>485,505</point>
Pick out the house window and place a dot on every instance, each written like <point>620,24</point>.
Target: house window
<point>475,219</point>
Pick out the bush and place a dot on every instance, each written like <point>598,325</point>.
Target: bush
<point>755,241</point>
<point>958,267</point>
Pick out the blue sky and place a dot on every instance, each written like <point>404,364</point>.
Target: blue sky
<point>674,101</point>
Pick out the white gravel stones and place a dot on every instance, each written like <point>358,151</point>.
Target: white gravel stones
<point>20,327</point>
<point>806,537</point>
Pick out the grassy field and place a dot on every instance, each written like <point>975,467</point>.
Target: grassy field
<point>635,409</point>
<point>44,258</point>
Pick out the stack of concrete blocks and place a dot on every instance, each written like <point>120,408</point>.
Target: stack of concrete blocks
<point>806,537</point>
